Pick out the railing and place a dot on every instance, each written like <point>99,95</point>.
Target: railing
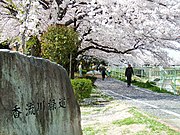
<point>168,79</point>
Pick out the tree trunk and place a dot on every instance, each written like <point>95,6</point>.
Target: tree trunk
<point>74,66</point>
<point>70,65</point>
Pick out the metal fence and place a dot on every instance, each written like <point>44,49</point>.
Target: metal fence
<point>167,78</point>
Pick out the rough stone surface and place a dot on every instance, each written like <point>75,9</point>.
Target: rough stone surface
<point>36,97</point>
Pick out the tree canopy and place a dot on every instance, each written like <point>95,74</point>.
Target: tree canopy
<point>116,30</point>
<point>58,42</point>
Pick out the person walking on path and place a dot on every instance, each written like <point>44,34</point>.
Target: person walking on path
<point>80,69</point>
<point>128,73</point>
<point>103,71</point>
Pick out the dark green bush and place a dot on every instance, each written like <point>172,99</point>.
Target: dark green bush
<point>92,78</point>
<point>33,46</point>
<point>4,44</point>
<point>84,71</point>
<point>82,88</point>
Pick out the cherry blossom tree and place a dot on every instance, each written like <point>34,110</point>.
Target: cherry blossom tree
<point>135,28</point>
<point>126,30</point>
<point>18,19</point>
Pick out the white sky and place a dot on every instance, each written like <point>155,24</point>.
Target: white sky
<point>174,54</point>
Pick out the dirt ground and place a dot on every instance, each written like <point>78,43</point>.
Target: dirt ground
<point>100,119</point>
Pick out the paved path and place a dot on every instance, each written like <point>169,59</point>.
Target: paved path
<point>166,107</point>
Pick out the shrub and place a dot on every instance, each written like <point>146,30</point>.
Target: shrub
<point>33,46</point>
<point>58,42</point>
<point>82,88</point>
<point>4,44</point>
<point>92,78</point>
<point>84,71</point>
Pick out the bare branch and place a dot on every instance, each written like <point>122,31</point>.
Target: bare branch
<point>108,49</point>
<point>9,16</point>
<point>11,9</point>
<point>59,2</point>
<point>69,22</point>
<point>2,1</point>
<point>62,12</point>
<point>83,3</point>
<point>159,3</point>
<point>161,38</point>
<point>77,26</point>
<point>44,4</point>
<point>85,34</point>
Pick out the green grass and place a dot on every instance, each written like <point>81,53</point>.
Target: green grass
<point>147,85</point>
<point>137,119</point>
<point>99,94</point>
<point>89,131</point>
<point>150,86</point>
<point>150,126</point>
<point>154,126</point>
<point>94,131</point>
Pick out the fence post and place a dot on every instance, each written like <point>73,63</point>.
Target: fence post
<point>174,79</point>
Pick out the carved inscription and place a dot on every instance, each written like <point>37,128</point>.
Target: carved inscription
<point>33,108</point>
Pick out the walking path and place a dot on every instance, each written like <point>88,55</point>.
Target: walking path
<point>164,106</point>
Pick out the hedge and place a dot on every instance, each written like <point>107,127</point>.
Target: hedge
<point>82,88</point>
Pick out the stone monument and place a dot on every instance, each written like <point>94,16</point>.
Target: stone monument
<point>36,97</point>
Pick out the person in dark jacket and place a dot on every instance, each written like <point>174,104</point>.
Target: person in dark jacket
<point>103,72</point>
<point>128,73</point>
<point>102,69</point>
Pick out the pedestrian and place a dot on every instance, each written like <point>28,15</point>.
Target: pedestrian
<point>80,69</point>
<point>93,69</point>
<point>103,72</point>
<point>128,73</point>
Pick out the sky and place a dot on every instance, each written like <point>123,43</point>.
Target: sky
<point>175,54</point>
